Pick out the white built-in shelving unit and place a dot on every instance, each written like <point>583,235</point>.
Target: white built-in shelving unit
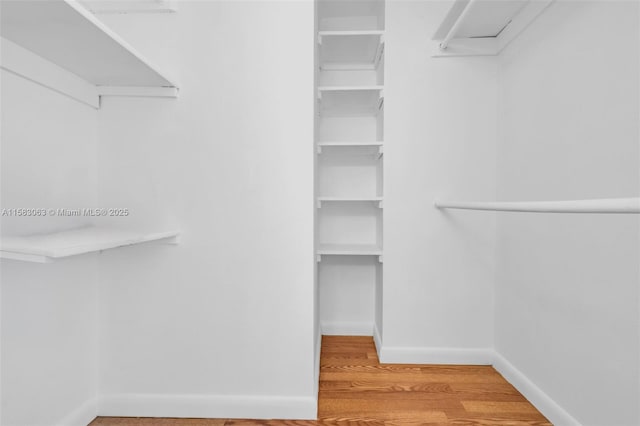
<point>61,45</point>
<point>349,146</point>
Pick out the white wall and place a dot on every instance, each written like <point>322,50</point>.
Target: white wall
<point>223,324</point>
<point>48,318</point>
<point>567,285</point>
<point>440,132</point>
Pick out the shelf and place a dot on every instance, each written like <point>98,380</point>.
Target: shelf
<point>604,206</point>
<point>129,6</point>
<point>484,27</point>
<point>350,50</point>
<point>349,250</point>
<point>377,146</point>
<point>351,15</point>
<point>321,200</point>
<point>44,248</point>
<point>349,144</point>
<point>350,100</point>
<point>68,36</point>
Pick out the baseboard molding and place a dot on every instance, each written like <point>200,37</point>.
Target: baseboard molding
<point>346,328</point>
<point>209,406</point>
<point>547,406</point>
<point>420,355</point>
<point>377,339</point>
<point>317,363</point>
<point>81,416</point>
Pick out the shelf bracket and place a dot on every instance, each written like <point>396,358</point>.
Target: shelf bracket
<point>380,204</point>
<point>319,149</point>
<point>380,151</point>
<point>318,258</point>
<point>319,204</point>
<point>380,259</point>
<point>379,53</point>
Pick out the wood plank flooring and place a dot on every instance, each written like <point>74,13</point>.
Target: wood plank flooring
<point>356,390</point>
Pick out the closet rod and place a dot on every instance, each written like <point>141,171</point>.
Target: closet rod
<point>456,25</point>
<point>604,205</point>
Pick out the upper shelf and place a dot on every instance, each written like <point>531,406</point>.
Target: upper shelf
<point>66,34</point>
<point>130,6</point>
<point>350,50</point>
<point>44,248</point>
<point>351,15</point>
<point>484,27</point>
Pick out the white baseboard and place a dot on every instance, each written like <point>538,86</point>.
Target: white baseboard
<point>547,406</point>
<point>347,328</point>
<point>377,339</point>
<point>420,355</point>
<point>317,362</point>
<point>81,416</point>
<point>305,408</point>
<point>209,406</point>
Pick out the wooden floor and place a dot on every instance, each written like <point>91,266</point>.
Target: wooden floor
<point>355,389</point>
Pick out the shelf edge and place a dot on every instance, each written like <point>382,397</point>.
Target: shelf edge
<point>26,64</point>
<point>86,14</point>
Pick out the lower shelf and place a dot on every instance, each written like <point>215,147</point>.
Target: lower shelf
<point>44,248</point>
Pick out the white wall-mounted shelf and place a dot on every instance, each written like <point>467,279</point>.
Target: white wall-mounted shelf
<point>129,6</point>
<point>348,250</point>
<point>45,248</point>
<point>350,100</point>
<point>484,27</point>
<point>350,50</point>
<point>603,206</point>
<point>378,146</point>
<point>67,36</point>
<point>377,200</point>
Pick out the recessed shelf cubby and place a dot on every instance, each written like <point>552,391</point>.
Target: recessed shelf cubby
<point>349,164</point>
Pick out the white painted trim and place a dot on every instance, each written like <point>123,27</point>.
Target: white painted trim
<point>209,406</point>
<point>377,339</point>
<point>81,416</point>
<point>422,355</point>
<point>316,373</point>
<point>543,402</point>
<point>347,328</point>
<point>138,91</point>
<point>479,356</point>
<point>23,63</point>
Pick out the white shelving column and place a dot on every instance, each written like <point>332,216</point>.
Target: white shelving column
<point>349,147</point>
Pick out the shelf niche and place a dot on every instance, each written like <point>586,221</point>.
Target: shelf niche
<point>350,50</point>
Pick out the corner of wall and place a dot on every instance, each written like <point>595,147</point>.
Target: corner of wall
<point>81,416</point>
<point>543,402</point>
